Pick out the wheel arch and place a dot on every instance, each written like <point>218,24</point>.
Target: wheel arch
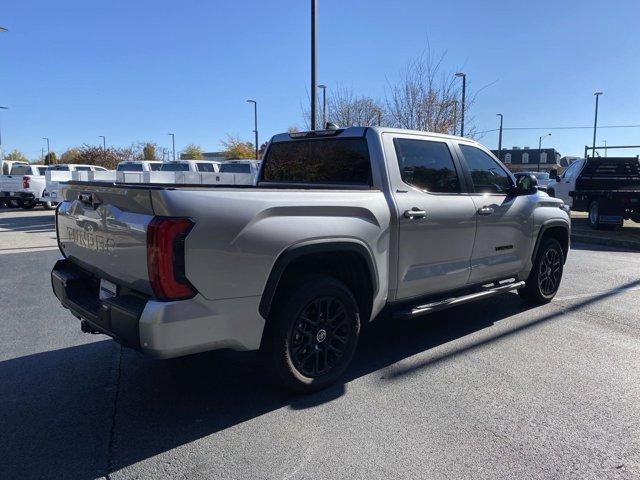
<point>555,229</point>
<point>348,260</point>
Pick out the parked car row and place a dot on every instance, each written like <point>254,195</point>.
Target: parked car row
<point>27,185</point>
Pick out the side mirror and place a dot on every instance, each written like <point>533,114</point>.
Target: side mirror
<point>557,178</point>
<point>526,185</point>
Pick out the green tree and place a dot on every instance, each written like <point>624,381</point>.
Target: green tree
<point>15,156</point>
<point>50,158</point>
<point>192,152</point>
<point>234,148</point>
<point>149,151</point>
<point>70,156</point>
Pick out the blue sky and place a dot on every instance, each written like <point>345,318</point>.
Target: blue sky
<point>135,70</point>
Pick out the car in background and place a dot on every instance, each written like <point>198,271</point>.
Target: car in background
<point>543,178</point>
<point>200,166</point>
<point>25,186</point>
<point>139,166</point>
<point>245,172</point>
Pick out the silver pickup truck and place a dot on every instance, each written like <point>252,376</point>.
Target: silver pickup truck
<point>341,225</point>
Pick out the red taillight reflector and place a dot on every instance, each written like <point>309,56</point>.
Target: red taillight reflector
<point>165,257</point>
<point>25,181</point>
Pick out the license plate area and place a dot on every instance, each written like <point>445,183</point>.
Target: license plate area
<point>107,289</point>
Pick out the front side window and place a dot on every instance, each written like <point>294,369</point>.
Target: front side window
<point>83,169</point>
<point>427,165</point>
<point>130,167</point>
<point>174,167</point>
<point>235,168</point>
<point>486,174</point>
<point>336,161</point>
<point>155,167</point>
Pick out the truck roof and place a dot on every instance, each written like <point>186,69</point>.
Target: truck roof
<point>359,132</point>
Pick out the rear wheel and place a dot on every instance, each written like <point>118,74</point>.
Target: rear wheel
<point>546,274</point>
<point>27,204</point>
<point>312,335</point>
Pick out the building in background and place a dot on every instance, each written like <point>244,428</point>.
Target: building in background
<point>530,159</point>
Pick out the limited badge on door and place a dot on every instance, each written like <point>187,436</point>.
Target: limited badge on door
<point>107,289</point>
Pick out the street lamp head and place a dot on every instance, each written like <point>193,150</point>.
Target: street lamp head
<point>499,115</point>
<point>2,29</point>
<point>461,74</point>
<point>251,101</point>
<point>322,86</point>
<point>598,93</point>
<point>4,108</point>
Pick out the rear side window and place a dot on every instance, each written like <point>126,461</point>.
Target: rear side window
<point>20,170</point>
<point>325,162</point>
<point>206,167</point>
<point>129,167</point>
<point>83,169</point>
<point>235,168</point>
<point>427,165</point>
<point>155,167</point>
<point>174,167</point>
<point>42,170</point>
<point>486,174</point>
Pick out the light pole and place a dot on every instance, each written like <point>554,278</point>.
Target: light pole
<point>464,92</point>
<point>595,125</point>
<point>314,6</point>
<point>500,138</point>
<point>540,148</point>
<point>379,115</point>
<point>605,148</point>
<point>104,141</point>
<point>48,149</point>
<point>173,143</point>
<point>255,122</point>
<point>1,157</point>
<point>324,105</point>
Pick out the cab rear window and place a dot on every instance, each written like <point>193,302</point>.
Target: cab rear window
<point>335,161</point>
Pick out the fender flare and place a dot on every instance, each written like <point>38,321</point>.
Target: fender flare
<point>546,226</point>
<point>297,251</point>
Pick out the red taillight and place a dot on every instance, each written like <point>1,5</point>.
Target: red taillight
<point>25,181</point>
<point>165,257</point>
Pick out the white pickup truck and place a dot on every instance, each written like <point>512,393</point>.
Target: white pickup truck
<point>58,174</point>
<point>341,225</point>
<point>26,186</point>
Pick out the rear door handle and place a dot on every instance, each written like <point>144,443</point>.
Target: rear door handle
<point>415,212</point>
<point>485,211</point>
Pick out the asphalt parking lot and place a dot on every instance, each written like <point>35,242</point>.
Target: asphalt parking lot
<point>489,390</point>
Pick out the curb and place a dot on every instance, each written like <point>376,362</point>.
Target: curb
<point>609,242</point>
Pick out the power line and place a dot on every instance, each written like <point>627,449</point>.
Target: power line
<point>558,128</point>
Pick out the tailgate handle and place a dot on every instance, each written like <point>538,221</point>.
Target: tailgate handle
<point>89,199</point>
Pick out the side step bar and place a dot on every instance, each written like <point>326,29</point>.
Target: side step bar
<point>420,310</point>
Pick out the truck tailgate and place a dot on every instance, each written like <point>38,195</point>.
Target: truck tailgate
<point>104,230</point>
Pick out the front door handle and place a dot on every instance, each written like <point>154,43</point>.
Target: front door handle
<point>415,212</point>
<point>485,211</point>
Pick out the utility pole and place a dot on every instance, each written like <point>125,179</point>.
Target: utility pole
<point>324,105</point>
<point>605,148</point>
<point>255,123</point>
<point>500,138</point>
<point>540,148</point>
<point>1,152</point>
<point>314,6</point>
<point>173,143</point>
<point>464,91</point>
<point>595,125</point>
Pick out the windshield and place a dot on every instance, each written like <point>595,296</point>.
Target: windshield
<point>174,167</point>
<point>130,167</point>
<point>235,168</point>
<point>541,175</point>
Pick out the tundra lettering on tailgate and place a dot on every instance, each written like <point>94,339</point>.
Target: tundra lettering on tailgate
<point>92,241</point>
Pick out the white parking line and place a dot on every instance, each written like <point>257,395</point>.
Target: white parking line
<point>595,294</point>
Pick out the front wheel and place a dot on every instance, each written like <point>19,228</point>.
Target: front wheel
<point>546,274</point>
<point>312,335</point>
<point>26,204</point>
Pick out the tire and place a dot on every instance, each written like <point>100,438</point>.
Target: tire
<point>26,205</point>
<point>546,274</point>
<point>49,205</point>
<point>307,349</point>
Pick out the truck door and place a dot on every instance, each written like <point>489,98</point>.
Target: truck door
<point>436,221</point>
<point>503,235</point>
<point>567,182</point>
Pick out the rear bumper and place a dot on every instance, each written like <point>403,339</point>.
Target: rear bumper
<point>160,329</point>
<point>17,196</point>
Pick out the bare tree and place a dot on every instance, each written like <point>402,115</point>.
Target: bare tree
<point>346,109</point>
<point>426,96</point>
